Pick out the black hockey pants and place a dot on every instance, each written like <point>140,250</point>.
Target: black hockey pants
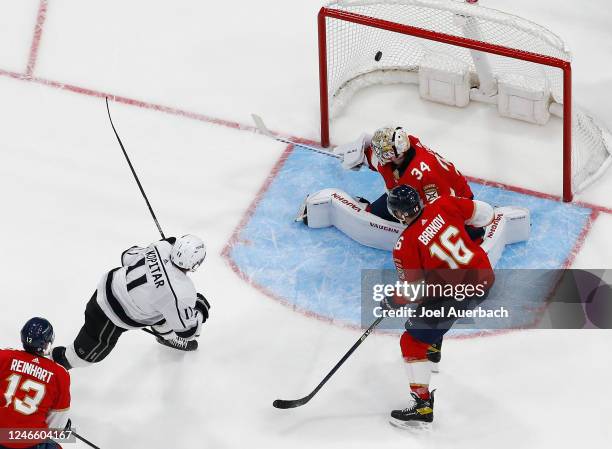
<point>98,336</point>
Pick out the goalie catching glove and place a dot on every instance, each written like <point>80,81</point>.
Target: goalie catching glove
<point>353,153</point>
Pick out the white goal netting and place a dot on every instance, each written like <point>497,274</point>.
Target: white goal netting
<point>351,63</point>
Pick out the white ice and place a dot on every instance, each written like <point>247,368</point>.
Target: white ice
<point>70,207</point>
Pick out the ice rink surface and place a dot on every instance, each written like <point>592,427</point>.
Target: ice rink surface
<point>188,76</point>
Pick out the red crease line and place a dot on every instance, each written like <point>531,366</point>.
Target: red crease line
<point>38,29</point>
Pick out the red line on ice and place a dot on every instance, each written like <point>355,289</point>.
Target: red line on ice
<point>581,238</point>
<point>38,29</point>
<point>129,101</point>
<point>548,196</point>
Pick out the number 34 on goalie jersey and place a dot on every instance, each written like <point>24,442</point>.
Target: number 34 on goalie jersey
<point>438,240</point>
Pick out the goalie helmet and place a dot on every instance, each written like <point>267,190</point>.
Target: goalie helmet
<point>37,336</point>
<point>188,252</point>
<point>404,203</point>
<point>389,143</point>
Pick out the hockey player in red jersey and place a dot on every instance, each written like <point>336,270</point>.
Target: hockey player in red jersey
<point>34,390</point>
<point>401,159</point>
<point>435,248</point>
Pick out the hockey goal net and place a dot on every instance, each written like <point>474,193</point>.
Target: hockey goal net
<point>458,52</point>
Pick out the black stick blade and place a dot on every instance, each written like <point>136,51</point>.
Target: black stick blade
<point>283,404</point>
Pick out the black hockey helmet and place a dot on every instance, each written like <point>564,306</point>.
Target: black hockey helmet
<point>37,336</point>
<point>404,203</point>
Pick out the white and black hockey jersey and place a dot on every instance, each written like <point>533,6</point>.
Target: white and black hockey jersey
<point>149,289</point>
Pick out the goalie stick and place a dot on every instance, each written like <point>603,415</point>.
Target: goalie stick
<point>284,404</point>
<point>261,127</point>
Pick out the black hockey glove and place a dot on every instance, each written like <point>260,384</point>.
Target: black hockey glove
<point>203,306</point>
<point>171,240</point>
<point>127,253</point>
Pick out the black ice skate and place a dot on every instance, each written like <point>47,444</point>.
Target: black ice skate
<point>179,343</point>
<point>418,415</point>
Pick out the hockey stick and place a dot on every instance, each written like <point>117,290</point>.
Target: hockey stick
<point>284,404</point>
<point>127,158</point>
<point>191,345</point>
<point>264,130</point>
<point>89,443</point>
<point>134,172</point>
<point>85,441</point>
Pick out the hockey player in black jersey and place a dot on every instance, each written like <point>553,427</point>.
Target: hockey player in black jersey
<point>151,288</point>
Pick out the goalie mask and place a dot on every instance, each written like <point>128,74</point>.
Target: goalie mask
<point>389,144</point>
<point>404,203</point>
<point>188,252</point>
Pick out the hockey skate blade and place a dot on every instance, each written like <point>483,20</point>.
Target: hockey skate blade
<point>417,426</point>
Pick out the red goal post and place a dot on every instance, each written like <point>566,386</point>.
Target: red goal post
<point>327,13</point>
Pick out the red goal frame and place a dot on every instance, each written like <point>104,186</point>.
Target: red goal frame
<point>458,41</point>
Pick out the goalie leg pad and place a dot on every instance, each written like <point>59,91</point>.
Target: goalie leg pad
<point>518,223</point>
<point>494,240</point>
<point>319,208</point>
<point>333,207</point>
<point>510,225</point>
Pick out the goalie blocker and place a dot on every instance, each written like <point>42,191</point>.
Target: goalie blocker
<point>333,207</point>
